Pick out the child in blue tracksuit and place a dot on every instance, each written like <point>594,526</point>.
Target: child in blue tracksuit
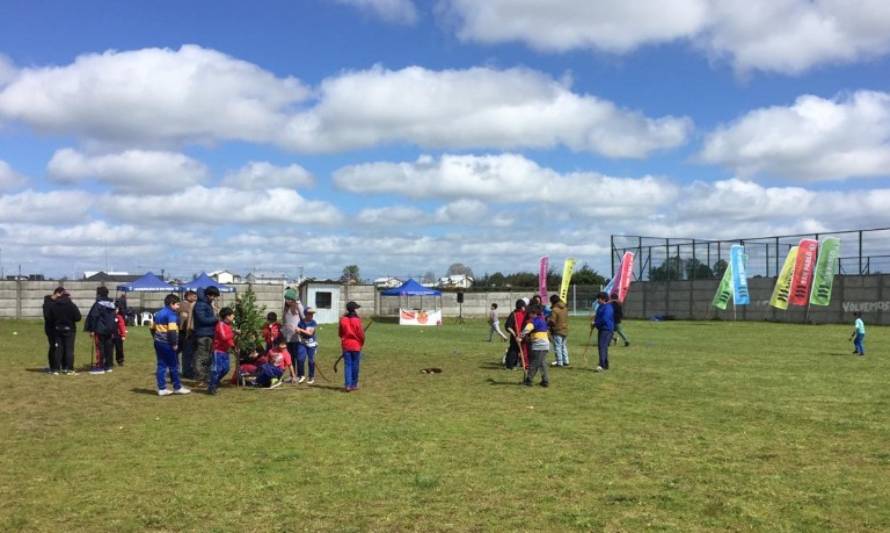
<point>165,331</point>
<point>605,325</point>
<point>308,345</point>
<point>858,336</point>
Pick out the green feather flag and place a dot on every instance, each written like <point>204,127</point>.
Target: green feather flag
<point>724,291</point>
<point>826,268</point>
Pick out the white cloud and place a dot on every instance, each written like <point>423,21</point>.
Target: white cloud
<point>507,178</point>
<point>561,25</point>
<point>813,139</point>
<point>45,207</point>
<point>129,171</point>
<point>477,107</point>
<point>154,95</point>
<point>787,36</point>
<point>391,215</point>
<point>264,175</point>
<point>223,205</point>
<point>9,178</point>
<point>464,211</point>
<point>165,97</point>
<point>396,11</point>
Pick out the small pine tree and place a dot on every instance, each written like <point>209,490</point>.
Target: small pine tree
<point>249,321</point>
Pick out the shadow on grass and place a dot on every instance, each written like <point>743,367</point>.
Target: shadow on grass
<point>41,370</point>
<point>491,366</point>
<point>139,390</point>
<point>838,354</point>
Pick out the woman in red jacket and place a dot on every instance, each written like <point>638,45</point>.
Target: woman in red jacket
<point>352,338</point>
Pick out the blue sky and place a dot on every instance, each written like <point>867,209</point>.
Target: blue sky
<point>404,136</point>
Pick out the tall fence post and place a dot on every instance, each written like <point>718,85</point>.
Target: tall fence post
<point>18,298</point>
<point>612,254</point>
<point>667,281</point>
<point>860,252</point>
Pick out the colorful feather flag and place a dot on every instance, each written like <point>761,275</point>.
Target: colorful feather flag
<point>625,273</point>
<point>782,290</point>
<point>802,281</point>
<point>739,276</point>
<point>542,278</point>
<point>567,269</point>
<point>724,291</point>
<point>826,268</point>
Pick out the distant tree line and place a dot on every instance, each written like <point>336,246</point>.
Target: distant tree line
<point>497,280</point>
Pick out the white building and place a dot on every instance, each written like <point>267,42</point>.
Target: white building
<point>387,282</point>
<point>456,281</point>
<point>225,277</point>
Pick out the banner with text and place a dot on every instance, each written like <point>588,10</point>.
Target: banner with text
<point>826,268</point>
<point>739,275</point>
<point>567,269</point>
<point>782,290</point>
<point>802,281</point>
<point>724,291</point>
<point>542,278</point>
<point>625,276</point>
<point>415,317</point>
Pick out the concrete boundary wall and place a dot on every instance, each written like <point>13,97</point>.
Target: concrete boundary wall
<point>692,300</point>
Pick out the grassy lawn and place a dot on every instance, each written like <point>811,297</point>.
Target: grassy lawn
<point>698,426</point>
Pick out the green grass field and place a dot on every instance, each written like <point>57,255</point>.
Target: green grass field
<point>698,426</point>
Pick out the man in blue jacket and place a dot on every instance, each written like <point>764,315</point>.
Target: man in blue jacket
<point>605,325</point>
<point>205,323</point>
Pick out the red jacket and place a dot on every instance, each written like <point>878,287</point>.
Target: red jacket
<point>223,337</point>
<point>352,335</point>
<point>121,325</point>
<point>271,332</point>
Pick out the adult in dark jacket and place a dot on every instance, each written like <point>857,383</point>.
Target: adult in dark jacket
<point>515,322</point>
<point>62,316</point>
<point>204,317</point>
<point>48,327</point>
<point>618,316</point>
<point>101,325</point>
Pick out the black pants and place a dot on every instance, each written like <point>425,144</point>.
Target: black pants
<point>105,346</point>
<point>51,353</point>
<point>64,353</point>
<point>119,350</point>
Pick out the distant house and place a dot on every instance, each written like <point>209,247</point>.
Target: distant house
<point>387,282</point>
<point>110,277</point>
<point>456,281</point>
<point>266,279</point>
<point>225,277</point>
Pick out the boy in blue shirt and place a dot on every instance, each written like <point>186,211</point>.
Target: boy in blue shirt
<point>165,330</point>
<point>605,325</point>
<point>858,335</point>
<point>538,334</point>
<point>308,345</point>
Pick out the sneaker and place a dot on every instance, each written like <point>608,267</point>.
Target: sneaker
<point>301,380</point>
<point>565,365</point>
<point>275,383</point>
<point>626,344</point>
<point>54,373</point>
<point>600,369</point>
<point>211,391</point>
<point>182,390</point>
<point>108,371</point>
<point>97,371</point>
<point>120,363</point>
<point>69,372</point>
<point>311,382</point>
<point>555,363</point>
<point>527,382</point>
<point>545,384</point>
<point>165,392</point>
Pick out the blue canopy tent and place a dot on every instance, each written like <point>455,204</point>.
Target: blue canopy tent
<point>202,282</point>
<point>147,283</point>
<point>411,288</point>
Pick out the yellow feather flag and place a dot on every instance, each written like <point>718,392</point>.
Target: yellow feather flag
<point>783,283</point>
<point>567,270</point>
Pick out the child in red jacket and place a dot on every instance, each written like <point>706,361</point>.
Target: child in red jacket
<point>120,336</point>
<point>271,330</point>
<point>223,343</point>
<point>352,338</point>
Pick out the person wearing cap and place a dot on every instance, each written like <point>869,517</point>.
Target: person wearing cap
<point>291,317</point>
<point>308,345</point>
<point>205,320</point>
<point>352,338</point>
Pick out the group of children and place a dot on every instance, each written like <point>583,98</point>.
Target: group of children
<point>267,366</point>
<point>533,328</point>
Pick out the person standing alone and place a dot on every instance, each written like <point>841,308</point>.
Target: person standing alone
<point>352,339</point>
<point>605,325</point>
